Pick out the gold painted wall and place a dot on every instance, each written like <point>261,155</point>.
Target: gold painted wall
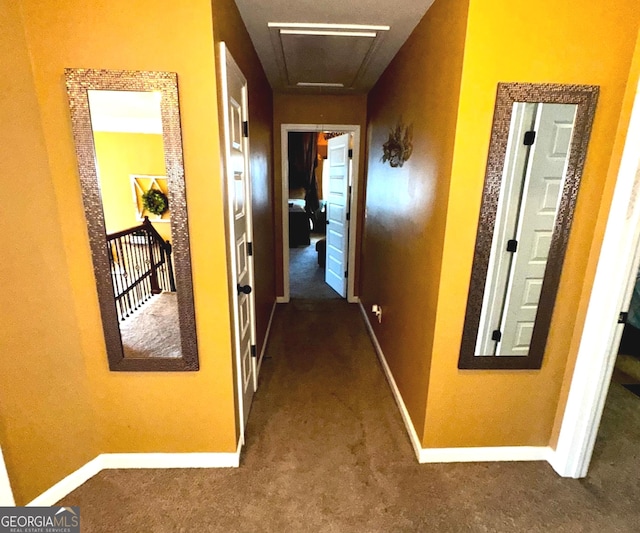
<point>119,155</point>
<point>228,27</point>
<point>582,42</point>
<point>66,394</point>
<point>313,109</point>
<point>46,408</point>
<point>407,207</point>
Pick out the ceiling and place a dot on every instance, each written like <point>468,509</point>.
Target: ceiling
<point>333,46</point>
<point>125,111</point>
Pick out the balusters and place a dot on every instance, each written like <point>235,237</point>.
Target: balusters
<point>141,266</point>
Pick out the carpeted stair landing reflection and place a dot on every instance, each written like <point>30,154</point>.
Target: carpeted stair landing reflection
<point>327,452</point>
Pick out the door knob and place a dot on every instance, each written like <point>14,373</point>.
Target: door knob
<point>246,289</point>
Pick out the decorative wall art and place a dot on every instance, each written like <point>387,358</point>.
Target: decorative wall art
<point>399,147</point>
<point>150,197</point>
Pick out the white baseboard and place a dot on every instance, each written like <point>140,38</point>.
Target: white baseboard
<point>484,454</point>
<point>282,300</point>
<point>70,483</point>
<point>170,460</point>
<point>411,430</point>
<point>452,455</point>
<point>107,461</point>
<point>266,336</point>
<point>6,493</point>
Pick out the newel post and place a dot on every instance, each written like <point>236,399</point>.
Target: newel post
<point>155,286</point>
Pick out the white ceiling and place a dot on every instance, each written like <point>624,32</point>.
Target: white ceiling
<point>125,111</point>
<point>340,56</point>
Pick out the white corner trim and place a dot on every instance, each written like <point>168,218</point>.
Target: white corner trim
<point>452,455</point>
<point>6,494</point>
<point>282,300</point>
<point>108,461</point>
<point>411,430</point>
<point>266,337</point>
<point>68,484</point>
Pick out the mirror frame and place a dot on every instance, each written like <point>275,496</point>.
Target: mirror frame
<point>585,96</point>
<point>79,82</point>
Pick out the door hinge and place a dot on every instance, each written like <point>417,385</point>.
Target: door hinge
<point>345,274</point>
<point>350,153</point>
<point>496,335</point>
<point>529,138</point>
<point>348,216</point>
<point>245,129</point>
<point>512,245</point>
<point>254,351</point>
<point>623,317</point>
<point>249,248</point>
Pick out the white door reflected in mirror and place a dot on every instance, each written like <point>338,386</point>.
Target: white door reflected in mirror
<point>533,178</point>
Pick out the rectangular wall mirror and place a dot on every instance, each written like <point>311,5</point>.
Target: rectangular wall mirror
<point>126,127</point>
<point>536,156</point>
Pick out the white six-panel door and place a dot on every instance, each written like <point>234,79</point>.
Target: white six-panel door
<point>337,209</point>
<point>236,155</point>
<point>542,189</point>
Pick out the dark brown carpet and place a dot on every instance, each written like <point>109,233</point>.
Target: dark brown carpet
<point>327,452</point>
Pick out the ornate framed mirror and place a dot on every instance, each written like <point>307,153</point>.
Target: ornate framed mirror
<point>537,152</point>
<point>126,128</point>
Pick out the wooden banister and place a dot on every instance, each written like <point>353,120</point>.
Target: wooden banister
<point>141,266</point>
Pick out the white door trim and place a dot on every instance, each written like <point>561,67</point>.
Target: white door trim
<point>601,335</point>
<point>353,201</point>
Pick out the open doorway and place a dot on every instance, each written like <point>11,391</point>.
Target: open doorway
<point>609,307</point>
<point>618,435</point>
<point>627,368</point>
<point>307,209</point>
<point>319,190</point>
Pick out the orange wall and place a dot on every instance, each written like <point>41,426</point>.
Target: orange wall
<point>580,42</point>
<point>313,109</point>
<point>118,156</point>
<point>134,412</point>
<point>46,409</point>
<point>406,207</point>
<point>228,27</point>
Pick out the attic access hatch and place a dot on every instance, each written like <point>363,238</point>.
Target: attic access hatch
<point>323,55</point>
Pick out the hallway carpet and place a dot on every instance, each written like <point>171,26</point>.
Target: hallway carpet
<point>306,277</point>
<point>327,452</point>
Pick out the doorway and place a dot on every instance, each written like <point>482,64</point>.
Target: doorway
<point>610,296</point>
<point>307,228</point>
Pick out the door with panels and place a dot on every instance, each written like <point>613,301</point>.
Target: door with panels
<point>337,251</point>
<point>236,154</point>
<point>548,160</point>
